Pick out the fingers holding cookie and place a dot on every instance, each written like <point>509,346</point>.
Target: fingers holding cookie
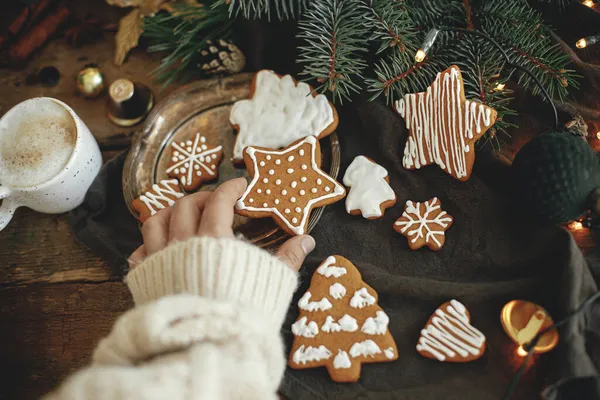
<point>217,218</point>
<point>186,215</point>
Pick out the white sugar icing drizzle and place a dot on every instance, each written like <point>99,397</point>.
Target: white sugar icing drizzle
<point>161,195</point>
<point>377,325</point>
<point>337,291</point>
<point>389,352</point>
<point>450,334</point>
<point>308,354</point>
<point>301,328</point>
<point>341,360</point>
<point>440,123</point>
<point>279,113</point>
<point>307,305</point>
<point>366,348</point>
<point>345,324</point>
<point>368,188</point>
<point>362,298</point>
<point>196,157</point>
<point>328,269</point>
<point>423,226</point>
<point>298,226</point>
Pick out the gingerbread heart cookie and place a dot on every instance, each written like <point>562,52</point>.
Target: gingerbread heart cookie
<point>340,326</point>
<point>287,185</point>
<point>370,193</point>
<point>449,335</point>
<point>280,111</point>
<point>194,162</point>
<point>162,195</point>
<point>424,224</point>
<point>443,126</point>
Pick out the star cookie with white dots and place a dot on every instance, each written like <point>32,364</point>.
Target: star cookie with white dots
<point>287,185</point>
<point>194,162</point>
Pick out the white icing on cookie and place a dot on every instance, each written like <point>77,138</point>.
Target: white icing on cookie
<point>368,189</point>
<point>440,124</point>
<point>330,325</point>
<point>302,355</point>
<point>365,348</point>
<point>341,360</point>
<point>301,328</point>
<point>307,305</point>
<point>345,324</point>
<point>327,269</point>
<point>299,226</point>
<point>389,352</point>
<point>377,325</point>
<point>450,334</point>
<point>161,193</point>
<point>337,291</point>
<point>362,298</point>
<point>278,113</point>
<point>195,157</point>
<point>422,225</point>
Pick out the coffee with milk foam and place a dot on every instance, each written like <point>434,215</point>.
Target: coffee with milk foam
<point>35,143</point>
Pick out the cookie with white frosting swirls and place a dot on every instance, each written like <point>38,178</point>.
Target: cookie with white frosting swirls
<point>279,112</point>
<point>341,325</point>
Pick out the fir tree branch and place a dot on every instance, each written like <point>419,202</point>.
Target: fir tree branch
<point>253,9</point>
<point>390,24</point>
<point>333,34</point>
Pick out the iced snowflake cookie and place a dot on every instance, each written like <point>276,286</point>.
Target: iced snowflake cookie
<point>443,126</point>
<point>194,162</point>
<point>162,195</point>
<point>449,335</point>
<point>369,189</point>
<point>279,112</point>
<point>424,224</point>
<point>340,325</point>
<point>287,185</point>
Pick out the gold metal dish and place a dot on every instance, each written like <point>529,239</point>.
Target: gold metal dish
<point>204,107</point>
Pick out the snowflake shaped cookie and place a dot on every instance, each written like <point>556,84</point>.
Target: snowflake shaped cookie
<point>287,184</point>
<point>424,224</point>
<point>194,162</point>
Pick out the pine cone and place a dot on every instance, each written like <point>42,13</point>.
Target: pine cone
<point>221,57</point>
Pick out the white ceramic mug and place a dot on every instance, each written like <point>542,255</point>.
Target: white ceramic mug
<point>48,158</point>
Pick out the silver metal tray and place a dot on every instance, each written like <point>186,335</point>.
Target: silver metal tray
<point>204,107</point>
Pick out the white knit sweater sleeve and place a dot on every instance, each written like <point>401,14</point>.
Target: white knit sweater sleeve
<point>206,326</point>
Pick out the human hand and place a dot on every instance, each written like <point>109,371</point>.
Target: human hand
<point>208,214</point>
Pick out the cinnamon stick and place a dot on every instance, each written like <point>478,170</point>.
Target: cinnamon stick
<point>37,36</point>
<point>28,16</point>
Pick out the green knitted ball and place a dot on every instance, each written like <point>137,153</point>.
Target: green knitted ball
<point>554,175</point>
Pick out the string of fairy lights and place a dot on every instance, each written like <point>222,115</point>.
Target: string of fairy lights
<point>589,40</point>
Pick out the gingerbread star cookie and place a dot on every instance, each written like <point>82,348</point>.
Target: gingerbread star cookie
<point>443,126</point>
<point>449,335</point>
<point>162,195</point>
<point>194,162</point>
<point>287,185</point>
<point>280,111</point>
<point>424,224</point>
<point>341,325</point>
<point>370,192</point>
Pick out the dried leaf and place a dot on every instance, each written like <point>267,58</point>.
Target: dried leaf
<point>130,30</point>
<point>148,7</point>
<point>171,6</point>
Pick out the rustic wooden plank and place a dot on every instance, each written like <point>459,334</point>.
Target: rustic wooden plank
<point>49,331</point>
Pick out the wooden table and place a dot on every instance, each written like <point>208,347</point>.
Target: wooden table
<point>58,299</point>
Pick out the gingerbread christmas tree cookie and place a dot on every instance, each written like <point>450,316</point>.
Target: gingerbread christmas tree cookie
<point>161,195</point>
<point>449,335</point>
<point>194,161</point>
<point>443,126</point>
<point>287,185</point>
<point>340,325</point>
<point>279,112</point>
<point>424,224</point>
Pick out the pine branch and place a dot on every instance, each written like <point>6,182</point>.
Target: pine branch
<point>183,35</point>
<point>390,24</point>
<point>333,33</point>
<point>253,9</point>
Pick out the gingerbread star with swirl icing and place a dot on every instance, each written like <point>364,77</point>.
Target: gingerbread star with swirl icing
<point>443,126</point>
<point>287,185</point>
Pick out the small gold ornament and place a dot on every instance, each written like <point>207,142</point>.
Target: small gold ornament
<point>90,82</point>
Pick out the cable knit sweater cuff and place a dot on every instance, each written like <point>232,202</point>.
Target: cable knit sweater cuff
<point>223,269</point>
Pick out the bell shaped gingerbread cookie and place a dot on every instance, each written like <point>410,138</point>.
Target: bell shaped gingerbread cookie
<point>340,326</point>
<point>443,126</point>
<point>449,335</point>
